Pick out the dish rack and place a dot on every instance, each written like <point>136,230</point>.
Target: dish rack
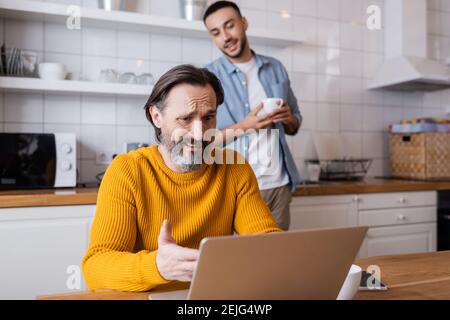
<point>342,169</point>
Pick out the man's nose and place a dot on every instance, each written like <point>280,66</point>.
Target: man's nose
<point>226,36</point>
<point>197,130</point>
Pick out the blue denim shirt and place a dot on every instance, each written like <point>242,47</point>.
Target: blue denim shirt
<point>275,81</point>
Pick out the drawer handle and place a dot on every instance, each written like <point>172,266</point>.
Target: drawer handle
<point>402,200</point>
<point>401,217</point>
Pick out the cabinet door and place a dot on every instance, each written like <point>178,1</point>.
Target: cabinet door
<point>40,248</point>
<point>323,212</point>
<point>415,238</point>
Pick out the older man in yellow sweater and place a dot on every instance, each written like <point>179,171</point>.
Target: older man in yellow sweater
<point>156,204</point>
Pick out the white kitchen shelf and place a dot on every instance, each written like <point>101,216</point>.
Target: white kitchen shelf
<point>130,21</point>
<point>15,84</point>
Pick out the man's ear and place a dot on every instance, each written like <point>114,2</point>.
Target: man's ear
<point>245,23</point>
<point>156,116</point>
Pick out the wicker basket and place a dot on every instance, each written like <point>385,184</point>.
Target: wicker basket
<point>424,156</point>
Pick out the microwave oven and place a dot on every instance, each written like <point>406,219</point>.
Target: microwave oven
<point>37,160</point>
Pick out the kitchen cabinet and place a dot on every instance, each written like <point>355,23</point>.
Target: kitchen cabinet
<point>413,238</point>
<point>323,212</point>
<point>399,222</point>
<point>42,248</point>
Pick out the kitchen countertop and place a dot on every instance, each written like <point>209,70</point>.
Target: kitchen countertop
<point>48,197</point>
<point>408,277</point>
<point>88,196</point>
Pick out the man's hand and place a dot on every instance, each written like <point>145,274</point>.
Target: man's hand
<point>174,262</point>
<point>252,121</point>
<point>284,115</point>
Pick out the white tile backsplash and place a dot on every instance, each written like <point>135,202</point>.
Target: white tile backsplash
<point>352,142</point>
<point>89,170</point>
<point>329,73</point>
<point>302,145</point>
<point>252,4</point>
<point>351,63</point>
<point>351,117</point>
<point>445,6</point>
<point>328,117</point>
<point>351,90</point>
<point>371,64</point>
<point>373,145</point>
<point>60,108</point>
<point>257,19</point>
<point>133,45</point>
<point>202,54</point>
<point>328,88</point>
<point>96,138</point>
<point>24,127</point>
<point>373,40</point>
<point>98,110</point>
<point>305,59</point>
<point>58,38</point>
<point>158,68</point>
<point>285,55</point>
<point>328,9</point>
<point>279,21</point>
<point>328,61</point>
<point>128,134</point>
<point>280,5</point>
<point>391,115</point>
<point>309,113</point>
<point>99,42</point>
<point>352,11</point>
<point>24,107</point>
<point>445,24</point>
<point>373,119</point>
<point>305,7</point>
<point>130,111</point>
<point>304,86</point>
<point>328,34</point>
<point>434,22</point>
<point>24,34</point>
<point>307,27</point>
<point>351,36</point>
<point>165,48</point>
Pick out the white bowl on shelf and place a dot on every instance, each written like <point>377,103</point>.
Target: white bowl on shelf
<point>351,283</point>
<point>52,71</point>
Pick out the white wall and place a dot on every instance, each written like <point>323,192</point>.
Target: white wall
<point>329,75</point>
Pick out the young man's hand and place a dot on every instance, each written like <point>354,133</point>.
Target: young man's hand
<point>253,121</point>
<point>285,116</point>
<point>174,262</point>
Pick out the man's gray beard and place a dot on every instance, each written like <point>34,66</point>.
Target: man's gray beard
<point>176,155</point>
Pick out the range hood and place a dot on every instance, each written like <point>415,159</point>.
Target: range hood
<point>406,66</point>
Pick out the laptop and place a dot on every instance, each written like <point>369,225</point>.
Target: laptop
<point>293,265</point>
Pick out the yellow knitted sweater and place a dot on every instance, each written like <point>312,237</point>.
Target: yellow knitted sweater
<point>138,192</point>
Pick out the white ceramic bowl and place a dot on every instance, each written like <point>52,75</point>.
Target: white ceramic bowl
<point>52,71</point>
<point>351,283</point>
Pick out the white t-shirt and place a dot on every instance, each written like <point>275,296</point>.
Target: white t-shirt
<point>265,154</point>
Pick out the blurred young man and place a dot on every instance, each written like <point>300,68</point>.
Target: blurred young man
<point>248,78</point>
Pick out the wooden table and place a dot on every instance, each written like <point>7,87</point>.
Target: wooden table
<point>416,276</point>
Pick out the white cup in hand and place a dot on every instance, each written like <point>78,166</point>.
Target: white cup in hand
<point>269,105</point>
